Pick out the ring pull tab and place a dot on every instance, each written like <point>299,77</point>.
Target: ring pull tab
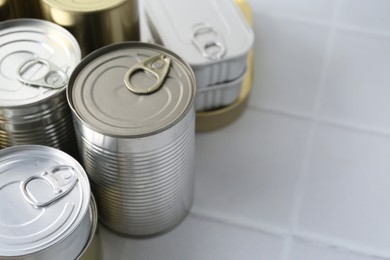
<point>61,179</point>
<point>208,42</point>
<point>55,78</point>
<point>157,65</point>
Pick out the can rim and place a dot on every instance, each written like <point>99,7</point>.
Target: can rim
<point>65,235</point>
<point>118,46</point>
<point>15,22</point>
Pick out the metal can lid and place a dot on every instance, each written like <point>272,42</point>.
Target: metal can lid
<point>44,195</point>
<point>115,91</point>
<point>36,60</point>
<point>84,6</point>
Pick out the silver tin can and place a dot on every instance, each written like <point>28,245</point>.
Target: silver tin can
<point>45,200</point>
<point>215,44</point>
<point>36,60</point>
<point>133,108</point>
<point>218,95</point>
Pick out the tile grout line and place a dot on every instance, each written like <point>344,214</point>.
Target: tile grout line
<point>324,120</point>
<point>265,229</point>
<point>299,192</point>
<point>341,246</point>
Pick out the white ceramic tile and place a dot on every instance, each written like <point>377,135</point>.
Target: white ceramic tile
<point>347,191</point>
<point>289,57</point>
<point>317,10</point>
<point>303,250</point>
<point>366,14</point>
<point>198,238</point>
<point>357,85</point>
<point>248,171</point>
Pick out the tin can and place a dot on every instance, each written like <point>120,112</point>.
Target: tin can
<point>95,23</point>
<point>133,110</point>
<point>219,118</point>
<point>215,44</point>
<point>36,59</point>
<point>45,202</point>
<point>219,95</point>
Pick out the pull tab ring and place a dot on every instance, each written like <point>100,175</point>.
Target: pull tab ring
<point>204,37</point>
<point>158,65</point>
<point>55,78</point>
<point>61,179</point>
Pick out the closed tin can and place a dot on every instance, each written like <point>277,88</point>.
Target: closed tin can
<point>219,95</point>
<point>133,108</point>
<point>45,204</point>
<point>215,44</point>
<point>95,23</point>
<point>36,60</point>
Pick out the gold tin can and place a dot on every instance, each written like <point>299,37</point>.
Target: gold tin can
<point>12,9</point>
<point>95,23</point>
<point>216,119</point>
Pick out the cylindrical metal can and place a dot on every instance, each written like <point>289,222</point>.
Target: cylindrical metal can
<point>133,110</point>
<point>95,23</point>
<point>36,60</point>
<point>45,201</point>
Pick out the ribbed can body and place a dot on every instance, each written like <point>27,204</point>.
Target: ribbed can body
<point>135,134</point>
<point>37,58</point>
<point>143,186</point>
<point>48,122</point>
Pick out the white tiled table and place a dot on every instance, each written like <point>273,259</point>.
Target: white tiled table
<point>304,174</point>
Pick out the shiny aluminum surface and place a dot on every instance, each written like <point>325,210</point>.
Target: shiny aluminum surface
<point>36,61</point>
<point>215,44</point>
<point>45,197</point>
<point>95,23</point>
<point>137,148</point>
<point>218,95</point>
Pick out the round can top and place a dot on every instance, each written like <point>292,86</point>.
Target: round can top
<point>44,196</point>
<point>36,60</point>
<point>84,5</point>
<point>131,89</point>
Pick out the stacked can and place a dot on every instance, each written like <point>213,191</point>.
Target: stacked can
<point>134,116</point>
<point>47,211</point>
<point>95,23</point>
<point>215,44</point>
<point>36,60</point>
